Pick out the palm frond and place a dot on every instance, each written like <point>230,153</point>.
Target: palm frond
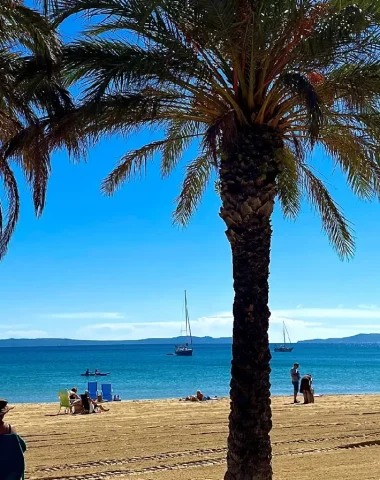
<point>9,220</point>
<point>358,157</point>
<point>132,164</point>
<point>337,228</point>
<point>301,87</point>
<point>198,174</point>
<point>180,134</point>
<point>288,184</point>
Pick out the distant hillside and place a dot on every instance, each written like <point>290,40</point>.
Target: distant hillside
<point>66,342</point>
<point>360,338</point>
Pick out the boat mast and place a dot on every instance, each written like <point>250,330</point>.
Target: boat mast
<point>286,330</point>
<point>188,327</point>
<point>283,331</point>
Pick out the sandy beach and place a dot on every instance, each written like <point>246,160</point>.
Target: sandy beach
<point>337,437</point>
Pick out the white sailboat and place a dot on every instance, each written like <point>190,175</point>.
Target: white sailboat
<point>283,347</point>
<point>186,350</point>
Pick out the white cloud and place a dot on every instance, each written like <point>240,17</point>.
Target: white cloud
<point>86,316</point>
<point>219,325</point>
<point>24,334</point>
<point>329,313</point>
<point>368,306</point>
<point>14,326</point>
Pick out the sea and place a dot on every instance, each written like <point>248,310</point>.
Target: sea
<point>35,374</point>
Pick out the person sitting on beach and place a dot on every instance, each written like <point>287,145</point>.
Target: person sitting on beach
<point>96,406</point>
<point>73,394</point>
<point>12,448</point>
<point>306,388</point>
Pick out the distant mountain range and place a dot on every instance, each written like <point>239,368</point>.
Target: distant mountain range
<point>66,342</point>
<point>360,338</point>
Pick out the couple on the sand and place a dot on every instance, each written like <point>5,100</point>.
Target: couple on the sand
<point>305,388</point>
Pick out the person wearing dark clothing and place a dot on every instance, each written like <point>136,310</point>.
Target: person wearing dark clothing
<point>12,448</point>
<point>306,388</point>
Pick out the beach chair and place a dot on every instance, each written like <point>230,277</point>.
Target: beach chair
<point>92,388</point>
<point>64,401</point>
<point>107,392</point>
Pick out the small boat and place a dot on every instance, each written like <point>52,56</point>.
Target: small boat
<point>93,374</point>
<point>284,348</point>
<point>185,350</point>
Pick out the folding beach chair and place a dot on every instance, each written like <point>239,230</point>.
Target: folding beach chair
<point>64,401</point>
<point>92,388</point>
<point>107,392</point>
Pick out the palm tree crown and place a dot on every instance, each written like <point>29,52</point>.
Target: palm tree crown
<point>203,69</point>
<point>30,90</point>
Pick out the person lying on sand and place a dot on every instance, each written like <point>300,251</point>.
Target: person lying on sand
<point>199,397</point>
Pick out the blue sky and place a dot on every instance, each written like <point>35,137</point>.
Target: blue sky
<point>115,268</point>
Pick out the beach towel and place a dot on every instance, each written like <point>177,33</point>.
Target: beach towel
<point>12,463</point>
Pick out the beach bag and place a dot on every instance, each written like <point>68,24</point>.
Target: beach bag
<point>12,463</point>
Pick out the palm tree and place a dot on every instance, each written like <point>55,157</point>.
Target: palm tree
<point>30,93</point>
<point>257,84</point>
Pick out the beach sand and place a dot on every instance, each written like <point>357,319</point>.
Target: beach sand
<point>337,437</point>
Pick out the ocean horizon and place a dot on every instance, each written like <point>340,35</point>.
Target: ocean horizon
<point>35,374</point>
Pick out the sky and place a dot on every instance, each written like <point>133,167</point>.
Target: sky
<point>94,267</point>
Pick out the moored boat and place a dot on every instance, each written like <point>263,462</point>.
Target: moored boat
<point>284,348</point>
<point>185,350</point>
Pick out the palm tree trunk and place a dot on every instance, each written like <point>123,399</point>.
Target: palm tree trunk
<point>248,188</point>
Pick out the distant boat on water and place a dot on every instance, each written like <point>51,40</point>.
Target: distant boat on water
<point>284,348</point>
<point>186,350</point>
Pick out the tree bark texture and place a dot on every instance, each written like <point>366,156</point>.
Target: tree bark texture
<point>248,188</point>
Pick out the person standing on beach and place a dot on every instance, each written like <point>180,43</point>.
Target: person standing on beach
<point>306,389</point>
<point>295,376</point>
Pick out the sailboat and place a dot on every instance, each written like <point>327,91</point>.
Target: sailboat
<point>283,347</point>
<point>186,350</point>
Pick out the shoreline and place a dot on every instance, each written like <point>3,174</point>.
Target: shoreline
<point>219,398</point>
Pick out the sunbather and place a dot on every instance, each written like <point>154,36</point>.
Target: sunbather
<point>95,404</point>
<point>199,397</point>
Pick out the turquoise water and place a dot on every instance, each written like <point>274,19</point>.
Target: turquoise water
<point>146,372</point>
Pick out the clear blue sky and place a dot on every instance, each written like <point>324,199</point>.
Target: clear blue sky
<point>95,267</point>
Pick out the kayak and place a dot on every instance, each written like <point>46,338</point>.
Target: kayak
<point>95,374</point>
